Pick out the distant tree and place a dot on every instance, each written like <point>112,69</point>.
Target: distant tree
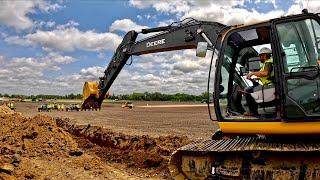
<point>205,95</point>
<point>146,96</point>
<point>113,96</point>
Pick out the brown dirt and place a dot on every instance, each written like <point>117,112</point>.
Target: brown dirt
<point>35,148</point>
<point>5,110</point>
<point>42,147</point>
<point>147,155</point>
<point>192,122</point>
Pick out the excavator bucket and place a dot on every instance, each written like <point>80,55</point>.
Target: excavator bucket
<point>90,96</point>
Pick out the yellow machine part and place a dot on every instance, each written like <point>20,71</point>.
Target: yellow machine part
<point>270,127</point>
<point>247,158</point>
<point>90,89</point>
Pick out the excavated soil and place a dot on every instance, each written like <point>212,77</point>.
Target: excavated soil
<point>42,147</point>
<point>5,110</point>
<point>148,155</point>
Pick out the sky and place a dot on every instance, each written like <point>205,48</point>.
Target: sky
<point>53,47</point>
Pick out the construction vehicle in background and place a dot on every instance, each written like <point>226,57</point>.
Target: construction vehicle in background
<point>283,140</point>
<point>11,105</point>
<point>73,107</point>
<point>45,107</point>
<point>127,105</point>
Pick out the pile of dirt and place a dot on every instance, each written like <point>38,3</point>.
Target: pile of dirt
<point>5,110</point>
<point>37,148</point>
<point>142,152</point>
<point>42,147</point>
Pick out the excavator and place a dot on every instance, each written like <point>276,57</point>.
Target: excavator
<point>283,140</point>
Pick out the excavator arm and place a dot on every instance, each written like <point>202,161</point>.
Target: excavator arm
<point>177,36</point>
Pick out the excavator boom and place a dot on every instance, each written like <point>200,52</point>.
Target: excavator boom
<point>177,36</point>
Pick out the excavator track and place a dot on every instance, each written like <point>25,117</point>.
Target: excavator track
<point>247,158</point>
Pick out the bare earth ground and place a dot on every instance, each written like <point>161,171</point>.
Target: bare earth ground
<point>191,121</point>
<point>116,143</point>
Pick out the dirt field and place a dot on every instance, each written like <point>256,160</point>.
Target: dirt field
<point>113,143</point>
<point>191,121</point>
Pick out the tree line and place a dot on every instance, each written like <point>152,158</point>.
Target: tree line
<point>157,96</point>
<point>146,96</point>
<point>43,96</point>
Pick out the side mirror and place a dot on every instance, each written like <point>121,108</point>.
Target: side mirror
<point>202,49</point>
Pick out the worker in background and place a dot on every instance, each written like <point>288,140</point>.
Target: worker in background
<point>265,75</point>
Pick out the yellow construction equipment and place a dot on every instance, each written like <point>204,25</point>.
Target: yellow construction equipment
<point>282,139</point>
<point>128,105</point>
<point>90,95</point>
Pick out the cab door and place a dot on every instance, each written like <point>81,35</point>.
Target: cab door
<point>300,54</point>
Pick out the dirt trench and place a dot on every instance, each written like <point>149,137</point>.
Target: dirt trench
<point>143,154</point>
<point>42,147</point>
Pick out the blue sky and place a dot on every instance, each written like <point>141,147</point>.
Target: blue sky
<point>52,47</point>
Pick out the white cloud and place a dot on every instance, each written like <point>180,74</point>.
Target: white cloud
<point>29,75</point>
<point>58,59</point>
<point>147,79</point>
<point>186,67</point>
<point>165,22</point>
<point>206,3</point>
<point>14,13</point>
<point>230,15</point>
<point>227,12</point>
<point>44,24</point>
<point>298,5</point>
<point>165,6</point>
<point>68,39</point>
<point>70,23</point>
<point>47,6</point>
<point>41,63</point>
<point>92,73</point>
<point>125,25</point>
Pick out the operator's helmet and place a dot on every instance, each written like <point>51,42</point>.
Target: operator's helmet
<point>265,50</point>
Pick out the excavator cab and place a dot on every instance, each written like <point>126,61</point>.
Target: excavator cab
<point>239,57</point>
<point>282,141</point>
<point>294,92</point>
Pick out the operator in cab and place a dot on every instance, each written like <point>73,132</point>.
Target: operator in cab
<point>265,75</point>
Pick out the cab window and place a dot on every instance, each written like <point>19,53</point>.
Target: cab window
<point>241,56</point>
<point>300,44</point>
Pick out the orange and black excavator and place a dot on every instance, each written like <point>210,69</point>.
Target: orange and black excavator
<point>280,141</point>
